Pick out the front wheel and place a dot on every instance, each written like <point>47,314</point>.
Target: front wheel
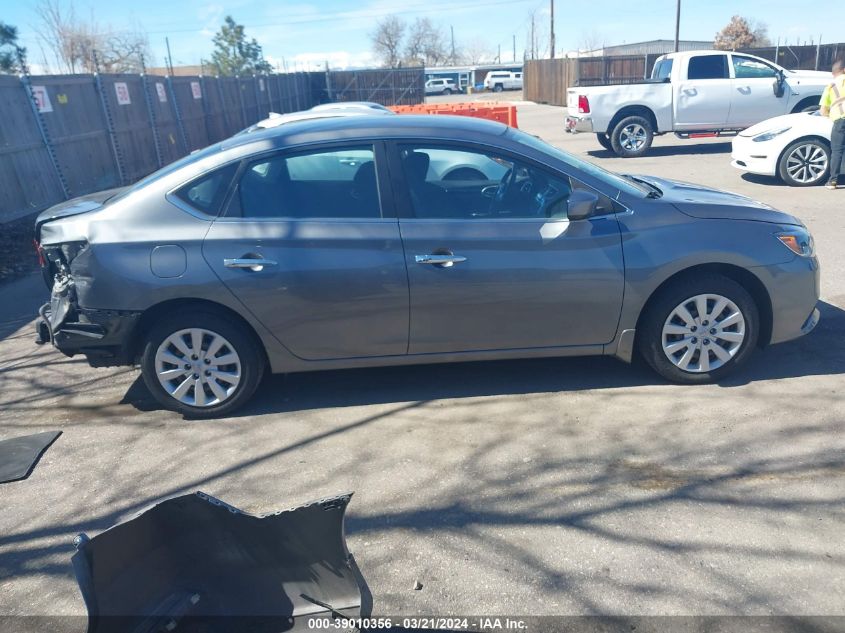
<point>804,163</point>
<point>632,137</point>
<point>604,141</point>
<point>498,88</point>
<point>699,330</point>
<point>201,364</point>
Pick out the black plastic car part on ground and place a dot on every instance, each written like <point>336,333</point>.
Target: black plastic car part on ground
<point>18,455</point>
<point>194,563</point>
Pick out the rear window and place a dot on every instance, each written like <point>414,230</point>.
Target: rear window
<point>708,67</point>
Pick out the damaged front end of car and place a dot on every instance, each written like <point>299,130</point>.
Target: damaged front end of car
<point>195,563</point>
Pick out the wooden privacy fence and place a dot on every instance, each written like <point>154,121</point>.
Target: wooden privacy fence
<point>84,133</point>
<point>547,80</point>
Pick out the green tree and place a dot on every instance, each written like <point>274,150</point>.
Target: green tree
<point>234,55</point>
<point>8,48</point>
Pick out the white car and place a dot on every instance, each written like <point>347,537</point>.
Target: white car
<point>794,147</point>
<point>498,80</point>
<point>441,87</point>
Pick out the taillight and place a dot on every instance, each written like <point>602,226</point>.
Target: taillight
<point>583,104</point>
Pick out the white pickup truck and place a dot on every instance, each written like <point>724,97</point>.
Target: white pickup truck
<point>693,94</point>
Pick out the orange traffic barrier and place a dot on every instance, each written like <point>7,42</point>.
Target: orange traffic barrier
<point>503,113</point>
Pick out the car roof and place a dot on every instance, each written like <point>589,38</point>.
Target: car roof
<point>370,126</point>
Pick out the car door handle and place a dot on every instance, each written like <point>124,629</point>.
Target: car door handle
<point>256,264</point>
<point>440,260</point>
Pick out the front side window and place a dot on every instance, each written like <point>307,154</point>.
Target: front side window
<point>464,184</point>
<point>328,183</point>
<point>708,67</point>
<point>750,68</point>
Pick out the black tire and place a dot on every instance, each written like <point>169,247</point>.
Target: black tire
<point>650,330</point>
<point>498,88</point>
<point>619,144</point>
<point>783,163</point>
<point>604,141</point>
<point>242,342</point>
<point>447,91</point>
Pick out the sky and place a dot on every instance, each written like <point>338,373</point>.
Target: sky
<point>297,35</point>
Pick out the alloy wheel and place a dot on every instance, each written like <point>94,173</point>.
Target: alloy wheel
<point>632,137</point>
<point>703,333</point>
<point>806,163</point>
<point>198,367</point>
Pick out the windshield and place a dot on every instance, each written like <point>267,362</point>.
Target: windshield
<point>609,177</point>
<point>168,169</point>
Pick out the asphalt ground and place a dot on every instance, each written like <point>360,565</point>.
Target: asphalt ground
<point>555,486</point>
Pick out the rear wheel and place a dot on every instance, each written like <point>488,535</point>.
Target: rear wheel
<point>804,163</point>
<point>699,330</point>
<point>201,364</point>
<point>632,136</point>
<point>447,91</point>
<point>498,88</point>
<point>604,141</point>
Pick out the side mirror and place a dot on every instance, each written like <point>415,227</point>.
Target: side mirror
<point>581,205</point>
<point>779,87</point>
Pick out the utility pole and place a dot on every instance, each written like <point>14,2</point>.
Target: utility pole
<point>677,25</point>
<point>499,56</point>
<point>552,31</point>
<point>452,59</point>
<point>169,58</point>
<point>514,47</point>
<point>532,46</point>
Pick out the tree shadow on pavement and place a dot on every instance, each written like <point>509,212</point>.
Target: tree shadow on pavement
<point>819,353</point>
<point>690,149</point>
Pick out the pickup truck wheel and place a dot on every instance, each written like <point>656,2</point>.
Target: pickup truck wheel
<point>632,137</point>
<point>447,91</point>
<point>699,329</point>
<point>498,88</point>
<point>201,364</point>
<point>604,141</point>
<point>804,163</point>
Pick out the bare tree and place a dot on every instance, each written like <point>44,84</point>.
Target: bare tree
<point>739,33</point>
<point>476,51</point>
<point>73,40</point>
<point>387,40</point>
<point>425,44</point>
<point>590,40</point>
<point>537,35</point>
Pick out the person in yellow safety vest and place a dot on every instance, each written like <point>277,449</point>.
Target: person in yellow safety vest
<point>833,105</point>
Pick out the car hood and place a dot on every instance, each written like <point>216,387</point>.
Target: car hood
<point>712,204</point>
<point>801,122</point>
<point>76,206</point>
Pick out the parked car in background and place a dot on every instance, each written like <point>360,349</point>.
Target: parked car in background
<point>794,147</point>
<point>350,242</point>
<point>441,87</point>
<point>693,94</point>
<point>498,80</point>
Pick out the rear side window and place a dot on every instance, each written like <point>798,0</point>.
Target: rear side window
<point>708,67</point>
<point>206,193</point>
<point>328,183</point>
<point>662,70</point>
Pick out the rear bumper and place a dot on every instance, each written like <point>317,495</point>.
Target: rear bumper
<point>103,336</point>
<point>579,124</point>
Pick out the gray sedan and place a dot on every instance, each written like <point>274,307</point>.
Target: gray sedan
<point>373,240</point>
